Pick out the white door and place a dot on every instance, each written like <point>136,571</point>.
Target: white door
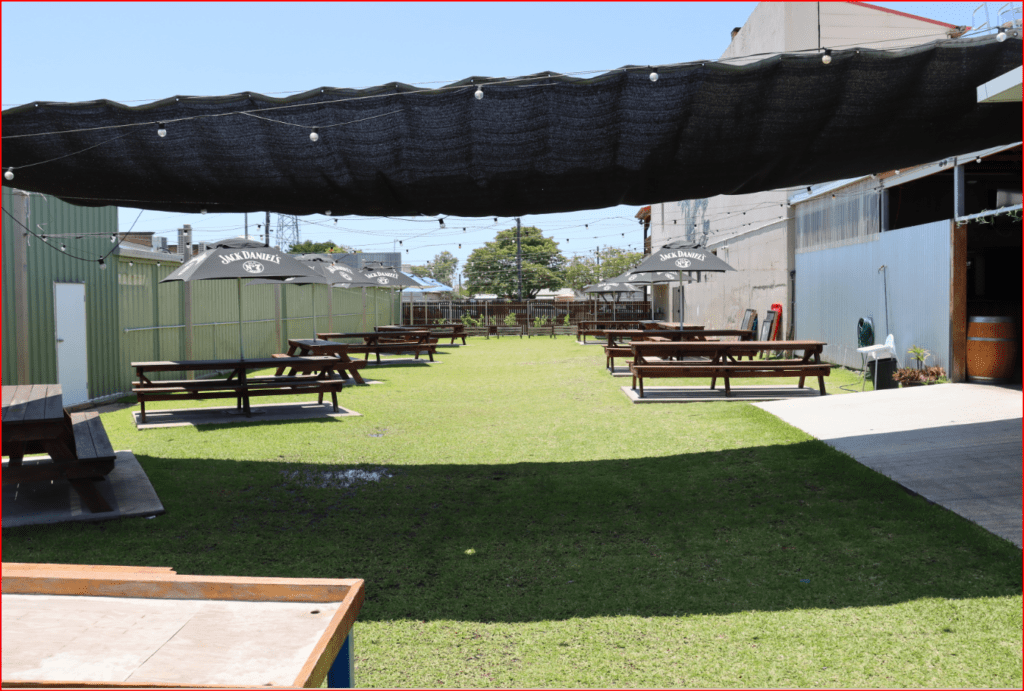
<point>69,330</point>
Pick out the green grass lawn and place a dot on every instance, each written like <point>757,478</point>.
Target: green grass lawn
<point>536,529</point>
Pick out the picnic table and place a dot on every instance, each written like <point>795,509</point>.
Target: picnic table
<point>34,421</point>
<point>317,347</point>
<point>721,359</point>
<point>453,330</point>
<point>378,342</point>
<point>128,626</point>
<point>619,347</point>
<point>311,374</point>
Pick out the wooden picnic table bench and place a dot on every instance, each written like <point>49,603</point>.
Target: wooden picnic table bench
<point>720,359</point>
<point>312,374</point>
<point>385,342</point>
<point>619,347</point>
<point>453,331</point>
<point>34,421</point>
<point>322,347</point>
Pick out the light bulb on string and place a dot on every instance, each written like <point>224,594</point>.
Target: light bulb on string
<point>113,238</point>
<point>9,174</point>
<point>63,247</point>
<point>479,93</point>
<point>827,57</point>
<point>103,264</point>
<point>131,263</point>
<point>654,75</point>
<point>441,221</point>
<point>202,211</point>
<point>327,213</point>
<point>161,131</point>
<point>1001,36</point>
<point>314,136</point>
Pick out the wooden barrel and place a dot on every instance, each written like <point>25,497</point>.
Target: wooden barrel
<point>991,349</point>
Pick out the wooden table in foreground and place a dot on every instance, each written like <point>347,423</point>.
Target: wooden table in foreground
<point>34,421</point>
<point>108,626</point>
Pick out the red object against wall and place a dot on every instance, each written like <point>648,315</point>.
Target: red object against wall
<point>777,308</point>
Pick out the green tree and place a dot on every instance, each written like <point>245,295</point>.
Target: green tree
<point>586,270</point>
<point>442,268</point>
<point>310,247</point>
<point>492,268</point>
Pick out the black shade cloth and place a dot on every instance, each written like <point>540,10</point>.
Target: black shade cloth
<point>529,146</point>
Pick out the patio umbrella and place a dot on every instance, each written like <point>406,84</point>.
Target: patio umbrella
<point>316,263</point>
<point>389,277</point>
<point>651,279</point>
<point>223,263</point>
<point>681,256</point>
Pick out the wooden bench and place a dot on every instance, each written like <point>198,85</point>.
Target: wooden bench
<point>93,459</point>
<point>676,370</point>
<point>508,331</point>
<point>563,330</point>
<point>396,347</point>
<point>612,352</point>
<point>477,331</point>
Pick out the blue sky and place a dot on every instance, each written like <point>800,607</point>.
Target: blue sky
<point>139,52</point>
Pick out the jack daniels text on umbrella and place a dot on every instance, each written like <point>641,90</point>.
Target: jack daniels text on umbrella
<point>680,256</point>
<point>221,263</point>
<point>388,277</point>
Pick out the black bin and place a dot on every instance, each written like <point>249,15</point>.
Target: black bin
<point>886,368</point>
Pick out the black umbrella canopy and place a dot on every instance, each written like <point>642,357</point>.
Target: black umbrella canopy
<point>238,241</point>
<point>681,256</point>
<point>223,263</point>
<point>700,129</point>
<point>230,262</point>
<point>346,276</point>
<point>390,278</point>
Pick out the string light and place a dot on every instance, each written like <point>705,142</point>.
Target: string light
<point>63,247</point>
<point>113,238</point>
<point>1001,36</point>
<point>654,75</point>
<point>9,175</point>
<point>441,221</point>
<point>103,264</point>
<point>203,212</point>
<point>327,213</point>
<point>131,263</point>
<point>314,136</point>
<point>479,93</point>
<point>161,131</point>
<point>827,57</point>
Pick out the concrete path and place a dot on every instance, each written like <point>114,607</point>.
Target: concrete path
<point>958,445</point>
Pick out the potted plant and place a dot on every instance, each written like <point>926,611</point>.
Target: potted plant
<point>920,375</point>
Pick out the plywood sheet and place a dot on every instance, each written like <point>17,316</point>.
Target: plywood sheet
<point>162,642</point>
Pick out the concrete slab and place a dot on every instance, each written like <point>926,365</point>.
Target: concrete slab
<point>127,490</point>
<point>698,394</point>
<point>957,445</point>
<point>230,415</point>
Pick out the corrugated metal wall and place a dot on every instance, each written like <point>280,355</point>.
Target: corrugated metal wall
<point>851,215</point>
<point>153,316</point>
<point>836,287</point>
<point>86,233</point>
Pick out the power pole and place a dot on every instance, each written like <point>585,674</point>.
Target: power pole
<point>266,231</point>
<point>519,258</point>
<point>246,225</point>
<point>597,253</point>
<point>287,231</point>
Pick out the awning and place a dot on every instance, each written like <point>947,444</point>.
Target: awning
<point>531,145</point>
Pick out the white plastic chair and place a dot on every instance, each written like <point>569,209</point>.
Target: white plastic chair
<point>878,352</point>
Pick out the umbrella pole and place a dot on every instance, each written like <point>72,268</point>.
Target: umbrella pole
<point>241,350</point>
<point>680,299</point>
